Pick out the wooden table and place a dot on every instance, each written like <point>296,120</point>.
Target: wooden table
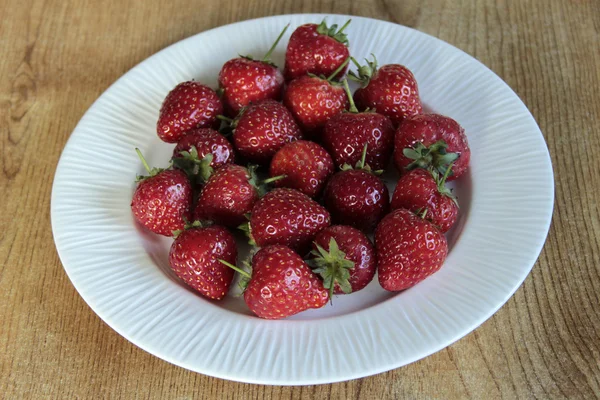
<point>59,56</point>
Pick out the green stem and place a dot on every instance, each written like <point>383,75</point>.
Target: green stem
<point>273,179</point>
<point>363,158</point>
<point>139,153</point>
<point>224,118</point>
<point>266,57</point>
<point>352,108</point>
<point>344,27</point>
<point>337,71</point>
<point>233,267</point>
<point>446,174</point>
<point>356,63</point>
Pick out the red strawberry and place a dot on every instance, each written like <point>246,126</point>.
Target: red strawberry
<point>347,133</point>
<point>190,105</point>
<point>281,284</point>
<point>244,80</point>
<point>305,165</point>
<point>313,101</point>
<point>229,194</point>
<point>345,259</point>
<point>262,129</point>
<point>357,197</point>
<point>390,90</point>
<point>206,141</point>
<point>420,191</point>
<point>162,201</point>
<point>201,151</point>
<point>432,141</point>
<point>316,49</point>
<point>287,217</point>
<point>409,249</point>
<point>195,255</point>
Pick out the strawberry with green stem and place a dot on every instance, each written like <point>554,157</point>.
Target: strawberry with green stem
<point>316,49</point>
<point>280,284</point>
<point>390,90</point>
<point>313,100</point>
<point>162,201</point>
<point>347,133</point>
<point>421,190</point>
<point>357,196</point>
<point>344,257</point>
<point>431,141</point>
<point>195,256</point>
<point>244,80</point>
<point>229,195</point>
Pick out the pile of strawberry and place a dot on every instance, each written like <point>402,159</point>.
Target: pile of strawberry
<point>316,154</point>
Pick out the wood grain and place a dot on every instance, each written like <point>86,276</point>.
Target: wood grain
<point>58,57</point>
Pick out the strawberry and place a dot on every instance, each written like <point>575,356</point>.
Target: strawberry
<point>162,201</point>
<point>357,197</point>
<point>280,284</point>
<point>195,255</point>
<point>244,80</point>
<point>229,194</point>
<point>263,128</point>
<point>189,105</point>
<point>347,133</point>
<point>345,259</point>
<point>390,90</point>
<point>287,217</point>
<point>316,49</point>
<point>201,151</point>
<point>305,165</point>
<point>419,190</point>
<point>409,249</point>
<point>431,141</point>
<point>313,100</point>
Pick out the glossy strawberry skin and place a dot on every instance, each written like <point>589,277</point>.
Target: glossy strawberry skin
<point>417,191</point>
<point>313,101</point>
<point>194,257</point>
<point>188,106</point>
<point>207,141</point>
<point>287,217</point>
<point>428,129</point>
<point>262,129</point>
<point>311,52</point>
<point>282,284</point>
<point>346,134</point>
<point>356,198</point>
<point>162,202</point>
<point>245,81</point>
<point>306,167</point>
<point>409,249</point>
<point>226,197</point>
<point>358,249</point>
<point>392,91</point>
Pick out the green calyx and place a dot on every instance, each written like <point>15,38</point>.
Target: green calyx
<point>247,229</point>
<point>151,171</point>
<point>245,271</point>
<point>433,158</point>
<point>332,266</point>
<point>191,225</point>
<point>364,72</point>
<point>333,31</point>
<point>440,181</point>
<point>262,186</point>
<point>198,169</point>
<point>361,164</point>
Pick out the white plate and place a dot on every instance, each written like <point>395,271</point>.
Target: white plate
<point>123,274</point>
